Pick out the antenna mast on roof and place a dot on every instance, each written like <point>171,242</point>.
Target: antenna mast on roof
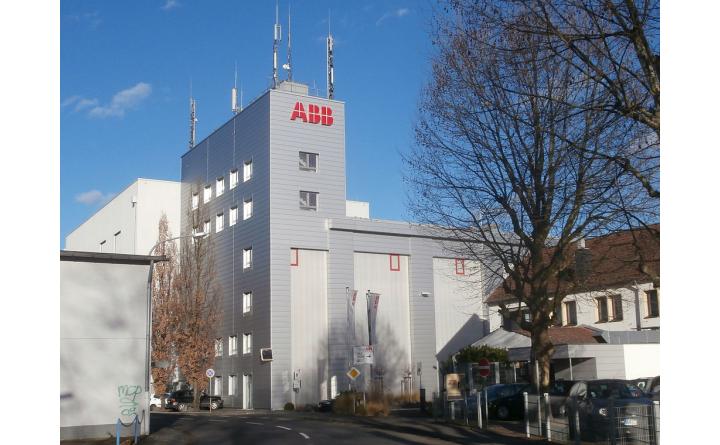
<point>288,65</point>
<point>330,64</point>
<point>233,95</point>
<point>193,119</point>
<point>276,42</point>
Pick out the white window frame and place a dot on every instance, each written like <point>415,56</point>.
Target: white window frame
<point>232,385</point>
<point>247,302</point>
<point>566,312</point>
<point>247,258</point>
<point>219,347</point>
<point>207,194</point>
<point>247,208</point>
<point>306,200</point>
<point>207,227</point>
<point>304,162</point>
<point>247,170</point>
<point>195,202</point>
<point>233,216</point>
<point>219,222</point>
<point>234,178</point>
<point>232,345</point>
<point>219,186</point>
<point>247,343</point>
<point>217,385</point>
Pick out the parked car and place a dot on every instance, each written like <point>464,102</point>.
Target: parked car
<point>156,400</point>
<point>325,406</point>
<point>650,386</point>
<point>593,400</point>
<point>504,401</point>
<point>182,400</point>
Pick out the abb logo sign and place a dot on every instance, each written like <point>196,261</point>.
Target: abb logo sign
<point>315,114</point>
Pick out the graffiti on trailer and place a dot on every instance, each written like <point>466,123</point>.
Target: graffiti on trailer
<point>128,395</point>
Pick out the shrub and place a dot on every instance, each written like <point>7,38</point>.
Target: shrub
<point>289,407</point>
<point>344,403</point>
<point>378,408</point>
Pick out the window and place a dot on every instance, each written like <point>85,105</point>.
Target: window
<point>217,385</point>
<point>206,228</point>
<point>247,208</point>
<point>247,258</point>
<point>116,239</point>
<point>219,222</point>
<point>570,313</point>
<point>103,246</point>
<point>247,170</point>
<point>308,200</point>
<point>233,215</point>
<point>294,257</point>
<point>233,178</point>
<point>308,161</point>
<point>232,345</point>
<point>247,302</point>
<point>218,347</point>
<point>653,303</point>
<point>219,186</point>
<point>207,194</point>
<point>602,304</point>
<point>232,385</point>
<point>459,267</point>
<point>617,310</point>
<point>195,201</point>
<point>510,320</point>
<point>394,262</point>
<point>247,343</point>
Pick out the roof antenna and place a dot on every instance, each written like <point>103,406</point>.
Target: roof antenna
<point>276,42</point>
<point>233,95</point>
<point>193,122</point>
<point>288,65</point>
<point>330,64</point>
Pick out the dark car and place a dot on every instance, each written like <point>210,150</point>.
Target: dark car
<point>325,406</point>
<point>597,401</point>
<point>504,401</point>
<point>650,386</point>
<point>182,400</point>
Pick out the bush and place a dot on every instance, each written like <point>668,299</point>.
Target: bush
<point>344,402</point>
<point>289,407</point>
<point>378,408</point>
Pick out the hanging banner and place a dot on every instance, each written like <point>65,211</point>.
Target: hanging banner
<point>352,296</point>
<point>373,300</point>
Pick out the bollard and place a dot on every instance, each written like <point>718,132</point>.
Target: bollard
<point>547,416</point>
<point>452,410</point>
<point>527,415</point>
<point>487,411</point>
<point>577,426</point>
<point>539,416</point>
<point>479,409</point>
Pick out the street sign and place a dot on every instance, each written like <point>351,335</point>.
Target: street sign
<point>484,367</point>
<point>363,355</point>
<point>353,373</point>
<point>210,373</point>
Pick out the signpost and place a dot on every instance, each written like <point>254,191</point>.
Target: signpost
<point>210,373</point>
<point>353,373</point>
<point>363,355</point>
<point>484,367</point>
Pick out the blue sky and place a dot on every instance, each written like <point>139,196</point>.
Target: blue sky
<point>126,67</point>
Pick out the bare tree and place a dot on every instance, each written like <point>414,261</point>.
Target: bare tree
<point>613,43</point>
<point>195,309</point>
<point>506,163</point>
<point>163,303</point>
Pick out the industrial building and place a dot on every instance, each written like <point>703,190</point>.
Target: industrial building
<point>290,251</point>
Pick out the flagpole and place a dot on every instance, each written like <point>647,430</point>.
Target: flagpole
<point>369,304</point>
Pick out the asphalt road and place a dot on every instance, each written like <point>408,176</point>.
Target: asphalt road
<point>236,427</point>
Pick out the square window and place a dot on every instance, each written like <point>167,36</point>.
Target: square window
<point>247,208</point>
<point>233,215</point>
<point>394,262</point>
<point>294,257</point>
<point>207,194</point>
<point>234,178</point>
<point>219,222</point>
<point>247,170</point>
<point>195,201</point>
<point>247,343</point>
<point>247,302</point>
<point>218,347</point>
<point>653,303</point>
<point>219,186</point>
<point>308,200</point>
<point>602,304</point>
<point>459,266</point>
<point>247,258</point>
<point>232,345</point>
<point>308,161</point>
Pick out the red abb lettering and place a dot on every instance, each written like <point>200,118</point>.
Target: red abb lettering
<point>327,118</point>
<point>315,114</point>
<point>298,112</point>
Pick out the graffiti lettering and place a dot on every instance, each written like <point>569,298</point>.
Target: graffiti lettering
<point>128,399</point>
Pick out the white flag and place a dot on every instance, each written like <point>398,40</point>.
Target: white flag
<point>373,301</point>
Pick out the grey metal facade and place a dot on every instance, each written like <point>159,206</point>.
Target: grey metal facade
<point>265,132</point>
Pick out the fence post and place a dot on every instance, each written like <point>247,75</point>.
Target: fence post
<point>527,415</point>
<point>655,413</point>
<point>117,432</point>
<point>539,415</point>
<point>547,416</point>
<point>613,426</point>
<point>478,396</point>
<point>576,418</point>
<point>487,411</point>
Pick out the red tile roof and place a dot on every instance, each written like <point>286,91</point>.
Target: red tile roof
<point>569,335</point>
<point>616,261</point>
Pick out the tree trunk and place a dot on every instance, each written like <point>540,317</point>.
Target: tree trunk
<point>543,350</point>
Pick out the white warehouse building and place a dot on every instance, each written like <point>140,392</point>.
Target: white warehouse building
<point>290,250</point>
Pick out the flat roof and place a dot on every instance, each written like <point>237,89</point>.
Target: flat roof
<point>118,258</point>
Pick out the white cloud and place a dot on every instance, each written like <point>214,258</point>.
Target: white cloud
<point>80,103</point>
<point>93,197</point>
<point>91,19</point>
<point>398,13</point>
<point>121,101</point>
<point>170,4</point>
